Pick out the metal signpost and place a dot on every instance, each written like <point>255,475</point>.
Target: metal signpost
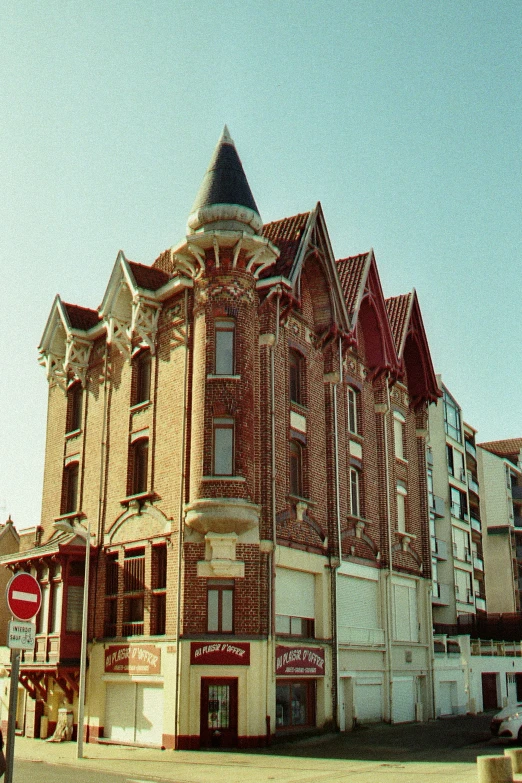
<point>24,599</point>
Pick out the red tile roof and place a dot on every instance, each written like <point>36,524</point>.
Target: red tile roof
<point>504,448</point>
<point>398,308</point>
<point>350,274</point>
<point>81,317</point>
<point>286,235</point>
<point>148,276</point>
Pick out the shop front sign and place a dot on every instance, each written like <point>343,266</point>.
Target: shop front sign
<point>220,654</point>
<point>299,661</point>
<point>133,659</point>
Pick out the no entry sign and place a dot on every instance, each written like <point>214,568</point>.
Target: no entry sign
<point>24,596</point>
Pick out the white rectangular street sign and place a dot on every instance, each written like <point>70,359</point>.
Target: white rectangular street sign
<point>21,635</point>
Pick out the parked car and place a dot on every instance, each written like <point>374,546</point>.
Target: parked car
<point>508,722</point>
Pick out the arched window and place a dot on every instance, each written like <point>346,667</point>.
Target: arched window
<point>296,377</point>
<point>74,407</point>
<point>70,488</point>
<point>142,364</point>
<point>139,466</point>
<point>296,468</point>
<point>224,347</point>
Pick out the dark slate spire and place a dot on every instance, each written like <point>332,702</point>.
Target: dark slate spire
<point>224,200</point>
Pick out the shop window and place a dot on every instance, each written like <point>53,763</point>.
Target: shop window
<point>294,704</point>
<point>223,448</point>
<point>142,371</point>
<point>296,364</point>
<point>402,495</point>
<point>139,465</point>
<point>224,350</point>
<point>295,626</point>
<point>355,493</point>
<point>398,433</point>
<point>296,469</point>
<point>71,475</point>
<point>134,592</point>
<point>220,606</point>
<point>159,589</point>
<point>74,407</point>
<point>353,410</point>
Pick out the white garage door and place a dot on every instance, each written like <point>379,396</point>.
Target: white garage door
<point>403,710</point>
<point>368,702</point>
<point>134,713</point>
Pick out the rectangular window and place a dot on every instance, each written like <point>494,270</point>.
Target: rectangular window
<point>220,606</point>
<point>398,434</point>
<point>56,606</point>
<point>452,422</point>
<point>74,608</point>
<point>223,447</point>
<point>296,369</point>
<point>355,505</point>
<point>142,366</point>
<point>296,469</point>
<point>224,355</point>
<point>294,626</point>
<point>402,495</point>
<point>134,588</point>
<point>159,585</point>
<point>74,407</point>
<point>449,455</point>
<point>71,476</point>
<point>139,452</point>
<point>459,504</point>
<point>352,410</point>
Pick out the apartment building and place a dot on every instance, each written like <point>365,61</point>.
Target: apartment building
<point>500,471</point>
<point>242,427</point>
<point>455,513</point>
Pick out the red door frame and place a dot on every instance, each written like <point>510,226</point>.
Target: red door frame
<point>221,737</point>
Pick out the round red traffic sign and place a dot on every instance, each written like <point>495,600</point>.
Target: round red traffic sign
<point>24,596</point>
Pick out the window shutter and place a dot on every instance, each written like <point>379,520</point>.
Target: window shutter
<point>295,593</point>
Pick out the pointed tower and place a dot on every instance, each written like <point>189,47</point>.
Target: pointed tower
<point>224,200</point>
<point>227,251</point>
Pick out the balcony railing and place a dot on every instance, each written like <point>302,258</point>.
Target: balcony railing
<point>480,603</point>
<point>439,548</point>
<point>470,448</point>
<point>516,493</point>
<point>52,648</point>
<point>517,521</point>
<point>478,563</point>
<point>473,485</point>
<point>441,594</point>
<point>437,506</point>
<point>476,524</point>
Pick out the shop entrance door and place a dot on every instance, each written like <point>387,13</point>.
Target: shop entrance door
<point>218,712</point>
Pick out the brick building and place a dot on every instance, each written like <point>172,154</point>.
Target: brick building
<point>243,425</point>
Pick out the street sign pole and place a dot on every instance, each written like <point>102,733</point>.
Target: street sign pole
<point>11,722</point>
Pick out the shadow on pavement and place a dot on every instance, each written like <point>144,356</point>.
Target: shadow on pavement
<point>455,739</point>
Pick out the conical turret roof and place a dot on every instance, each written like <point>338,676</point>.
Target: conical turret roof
<point>224,199</point>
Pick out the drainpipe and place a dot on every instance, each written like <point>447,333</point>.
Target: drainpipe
<point>389,581</point>
<point>181,523</point>
<point>270,656</point>
<point>336,562</point>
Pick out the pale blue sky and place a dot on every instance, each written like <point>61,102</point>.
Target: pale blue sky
<point>402,117</point>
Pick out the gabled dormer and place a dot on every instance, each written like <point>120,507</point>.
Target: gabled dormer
<point>367,312</point>
<point>306,268</point>
<point>67,341</point>
<point>412,348</point>
<point>132,303</point>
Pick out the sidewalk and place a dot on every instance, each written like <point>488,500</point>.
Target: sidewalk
<point>301,762</point>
